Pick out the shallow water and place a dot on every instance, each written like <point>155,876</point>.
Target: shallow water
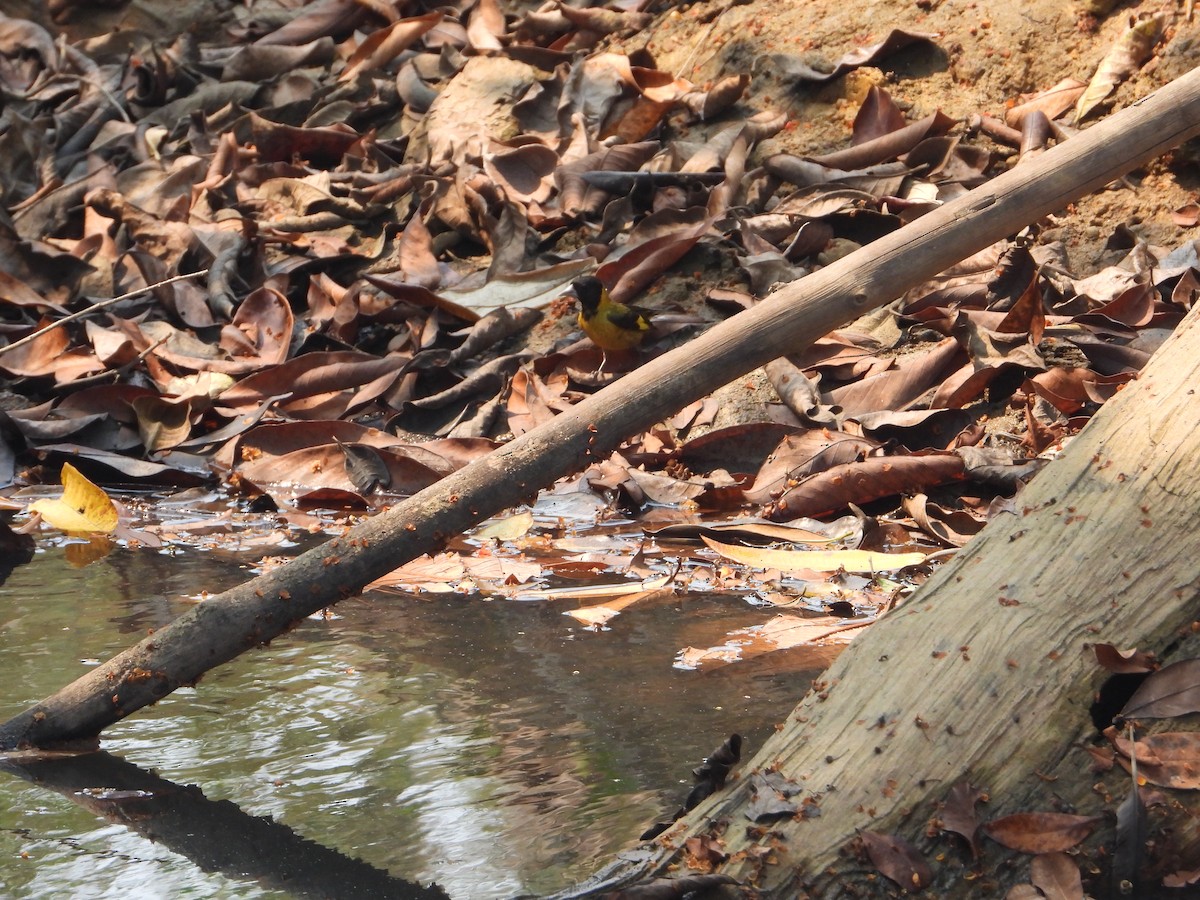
<point>495,747</point>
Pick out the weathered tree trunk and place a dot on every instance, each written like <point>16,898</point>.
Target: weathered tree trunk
<point>226,625</point>
<point>987,675</point>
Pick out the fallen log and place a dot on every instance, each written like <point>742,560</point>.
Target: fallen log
<point>256,612</point>
<point>987,676</point>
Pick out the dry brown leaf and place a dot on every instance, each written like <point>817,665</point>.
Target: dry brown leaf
<point>897,859</point>
<point>1171,691</point>
<point>1057,876</point>
<point>861,482</point>
<point>1124,661</point>
<point>1127,55</point>
<point>1040,832</point>
<point>1170,759</point>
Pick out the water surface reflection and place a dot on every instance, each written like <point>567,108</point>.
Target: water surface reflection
<point>491,746</point>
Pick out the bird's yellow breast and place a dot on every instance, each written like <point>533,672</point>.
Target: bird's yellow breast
<point>614,327</point>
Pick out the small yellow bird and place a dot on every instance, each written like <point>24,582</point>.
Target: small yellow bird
<point>610,325</point>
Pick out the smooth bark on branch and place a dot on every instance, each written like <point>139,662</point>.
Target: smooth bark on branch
<point>987,675</point>
<point>246,616</point>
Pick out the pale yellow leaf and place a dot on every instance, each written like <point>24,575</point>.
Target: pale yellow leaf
<point>596,616</point>
<point>865,561</point>
<point>83,507</point>
<point>596,591</point>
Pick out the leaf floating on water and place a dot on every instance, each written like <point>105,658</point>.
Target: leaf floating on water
<point>863,561</point>
<point>597,591</point>
<point>1040,832</point>
<point>784,632</point>
<point>599,615</point>
<point>1171,691</point>
<point>508,528</point>
<point>83,507</point>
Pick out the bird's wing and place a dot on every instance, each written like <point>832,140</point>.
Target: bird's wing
<point>629,317</point>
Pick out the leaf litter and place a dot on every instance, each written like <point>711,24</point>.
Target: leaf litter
<point>373,215</point>
<point>309,266</point>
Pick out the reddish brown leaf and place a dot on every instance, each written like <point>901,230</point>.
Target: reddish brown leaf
<point>1068,389</point>
<point>1170,759</point>
<point>887,146</point>
<point>897,388</point>
<point>309,375</point>
<point>1124,661</point>
<point>877,116</point>
<point>800,455</point>
<point>1052,102</point>
<point>858,483</point>
<point>897,859</point>
<point>1040,832</point>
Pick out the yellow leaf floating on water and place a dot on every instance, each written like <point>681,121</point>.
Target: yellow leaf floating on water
<point>82,507</point>
<point>865,561</point>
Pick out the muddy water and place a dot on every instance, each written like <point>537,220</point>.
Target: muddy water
<point>492,746</point>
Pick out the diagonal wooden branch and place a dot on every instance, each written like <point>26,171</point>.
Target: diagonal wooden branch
<point>259,610</point>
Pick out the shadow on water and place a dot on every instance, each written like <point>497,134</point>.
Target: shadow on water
<point>215,835</point>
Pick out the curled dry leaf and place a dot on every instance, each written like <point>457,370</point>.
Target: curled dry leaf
<point>1040,832</point>
<point>757,532</point>
<point>1127,55</point>
<point>952,527</point>
<point>1052,102</point>
<point>83,507</point>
